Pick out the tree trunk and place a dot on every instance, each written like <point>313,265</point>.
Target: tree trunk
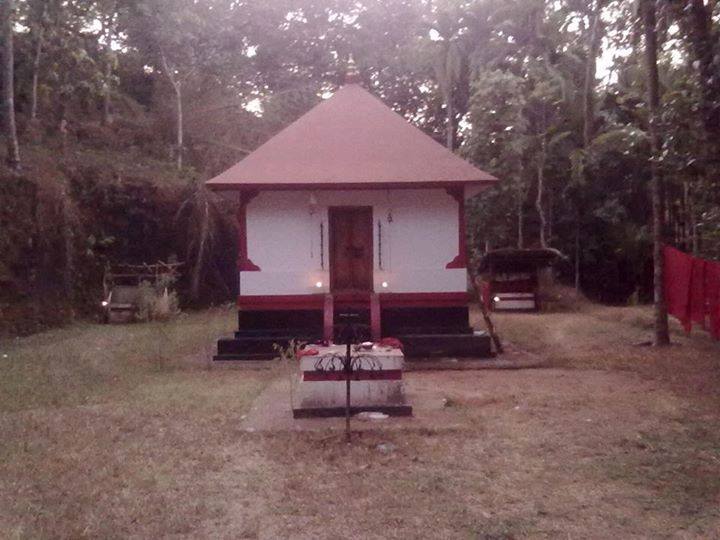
<point>178,107</point>
<point>594,42</point>
<point>596,33</point>
<point>577,254</point>
<point>696,20</point>
<point>68,227</point>
<point>178,98</point>
<point>450,134</point>
<point>107,112</point>
<point>692,218</point>
<point>704,40</point>
<point>647,9</point>
<point>551,216</point>
<point>36,73</point>
<point>108,32</point>
<point>62,102</point>
<point>202,242</point>
<point>541,191</point>
<point>520,232</point>
<point>13,148</point>
<point>687,217</point>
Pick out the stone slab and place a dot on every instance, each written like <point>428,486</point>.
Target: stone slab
<point>362,393</point>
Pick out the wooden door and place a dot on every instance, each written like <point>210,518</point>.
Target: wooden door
<point>351,248</point>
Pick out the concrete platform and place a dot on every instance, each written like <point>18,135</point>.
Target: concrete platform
<point>323,399</point>
<point>375,384</point>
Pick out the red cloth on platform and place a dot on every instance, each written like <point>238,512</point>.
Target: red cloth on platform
<point>678,277</point>
<point>698,311</point>
<point>395,343</point>
<point>712,292</point>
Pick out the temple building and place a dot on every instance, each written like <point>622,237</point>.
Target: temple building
<point>352,208</point>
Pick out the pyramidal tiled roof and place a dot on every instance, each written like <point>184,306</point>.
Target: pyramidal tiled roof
<point>351,140</point>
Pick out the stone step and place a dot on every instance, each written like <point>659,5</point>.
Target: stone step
<point>446,346</point>
<point>433,330</point>
<point>254,347</point>
<point>260,347</point>
<point>277,333</point>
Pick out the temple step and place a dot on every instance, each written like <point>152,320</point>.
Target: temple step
<point>250,358</point>
<point>271,333</point>
<point>416,346</point>
<point>256,347</point>
<point>434,330</point>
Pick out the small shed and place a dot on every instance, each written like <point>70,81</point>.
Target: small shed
<point>122,284</point>
<point>352,208</point>
<point>511,277</point>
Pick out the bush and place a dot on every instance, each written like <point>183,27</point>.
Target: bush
<point>157,302</point>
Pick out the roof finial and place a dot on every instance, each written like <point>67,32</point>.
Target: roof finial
<point>352,76</point>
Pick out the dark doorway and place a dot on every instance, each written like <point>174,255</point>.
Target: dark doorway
<point>351,248</point>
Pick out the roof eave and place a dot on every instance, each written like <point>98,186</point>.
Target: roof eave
<point>279,186</point>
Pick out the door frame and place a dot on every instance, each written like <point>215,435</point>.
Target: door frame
<point>338,210</point>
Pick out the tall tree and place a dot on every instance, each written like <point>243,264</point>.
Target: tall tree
<point>108,15</point>
<point>13,147</point>
<point>593,49</point>
<point>499,142</point>
<point>176,82</point>
<point>589,121</point>
<point>543,111</point>
<point>449,60</point>
<point>37,22</point>
<point>703,34</point>
<point>648,16</point>
<point>181,40</point>
<point>70,66</point>
<point>448,64</point>
<point>456,30</point>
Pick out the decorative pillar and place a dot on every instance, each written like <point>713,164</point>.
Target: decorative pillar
<point>460,261</point>
<point>244,263</point>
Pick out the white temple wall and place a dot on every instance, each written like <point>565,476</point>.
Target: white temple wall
<point>419,236</point>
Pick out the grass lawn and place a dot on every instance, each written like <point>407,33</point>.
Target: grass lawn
<point>117,431</point>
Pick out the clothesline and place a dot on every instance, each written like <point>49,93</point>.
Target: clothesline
<point>692,290</point>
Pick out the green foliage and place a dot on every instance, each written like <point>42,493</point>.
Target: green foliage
<point>156,302</point>
<point>498,138</point>
<point>498,142</point>
<point>288,351</point>
<point>283,108</point>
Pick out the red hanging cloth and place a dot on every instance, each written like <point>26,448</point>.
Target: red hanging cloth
<point>698,307</point>
<point>712,292</point>
<point>678,277</point>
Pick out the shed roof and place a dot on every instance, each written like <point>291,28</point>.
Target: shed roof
<point>508,259</point>
<point>351,140</point>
